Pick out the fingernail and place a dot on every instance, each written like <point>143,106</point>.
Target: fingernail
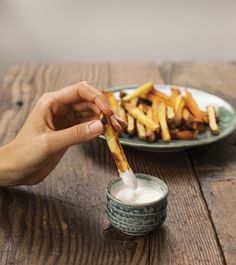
<point>95,127</point>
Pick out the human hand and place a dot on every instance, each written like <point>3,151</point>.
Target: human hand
<point>60,119</point>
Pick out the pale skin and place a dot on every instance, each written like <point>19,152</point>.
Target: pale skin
<point>62,118</point>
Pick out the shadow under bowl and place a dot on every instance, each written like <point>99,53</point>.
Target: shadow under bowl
<point>137,218</point>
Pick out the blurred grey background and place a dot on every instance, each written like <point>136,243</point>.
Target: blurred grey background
<point>107,30</point>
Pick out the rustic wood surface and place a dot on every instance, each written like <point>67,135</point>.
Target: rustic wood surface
<point>62,220</point>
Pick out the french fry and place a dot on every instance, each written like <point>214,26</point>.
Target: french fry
<point>179,104</point>
<point>170,114</point>
<point>193,107</point>
<point>139,91</point>
<point>130,125</point>
<point>141,117</point>
<point>140,131</point>
<point>155,105</point>
<point>183,135</point>
<point>112,101</point>
<point>165,134</point>
<point>150,135</point>
<point>121,112</point>
<point>114,145</point>
<point>212,120</point>
<point>187,116</point>
<point>161,96</point>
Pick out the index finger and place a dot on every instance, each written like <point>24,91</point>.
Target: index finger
<point>84,92</point>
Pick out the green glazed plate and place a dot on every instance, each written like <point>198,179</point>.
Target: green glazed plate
<point>227,122</point>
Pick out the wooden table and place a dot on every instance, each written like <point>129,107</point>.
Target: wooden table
<point>62,220</point>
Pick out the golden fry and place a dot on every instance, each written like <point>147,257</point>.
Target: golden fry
<point>130,125</point>
<point>212,120</point>
<point>121,112</point>
<point>114,145</point>
<point>179,104</point>
<point>141,117</point>
<point>155,105</point>
<point>187,116</point>
<point>165,134</point>
<point>170,114</point>
<point>150,135</point>
<point>112,101</point>
<point>160,96</point>
<point>193,107</point>
<point>140,131</point>
<point>139,91</point>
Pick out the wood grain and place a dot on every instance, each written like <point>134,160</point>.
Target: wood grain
<point>61,220</point>
<point>215,164</point>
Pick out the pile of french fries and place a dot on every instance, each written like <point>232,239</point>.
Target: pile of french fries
<point>152,115</point>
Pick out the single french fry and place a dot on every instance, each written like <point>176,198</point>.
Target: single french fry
<point>170,114</point>
<point>140,131</point>
<point>112,101</point>
<point>187,116</point>
<point>134,102</point>
<point>141,117</point>
<point>114,145</point>
<point>165,134</point>
<point>155,105</point>
<point>159,96</point>
<point>175,91</point>
<point>130,125</point>
<point>150,135</point>
<point>193,107</point>
<point>179,104</point>
<point>212,120</point>
<point>183,135</point>
<point>139,91</point>
<point>121,112</point>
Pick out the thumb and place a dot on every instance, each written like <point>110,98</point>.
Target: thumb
<point>77,134</point>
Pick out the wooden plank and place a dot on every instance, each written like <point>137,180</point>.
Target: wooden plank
<point>187,237</point>
<point>215,164</point>
<point>61,220</point>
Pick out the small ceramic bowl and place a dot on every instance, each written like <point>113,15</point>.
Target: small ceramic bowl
<point>135,218</point>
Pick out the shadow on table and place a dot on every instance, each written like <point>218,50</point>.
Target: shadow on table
<point>35,227</point>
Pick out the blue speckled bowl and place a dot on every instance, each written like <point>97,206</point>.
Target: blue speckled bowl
<point>137,219</point>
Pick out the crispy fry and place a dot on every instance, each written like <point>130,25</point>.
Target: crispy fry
<point>112,101</point>
<point>212,120</point>
<point>193,107</point>
<point>121,112</point>
<point>115,146</point>
<point>179,104</point>
<point>165,134</point>
<point>161,96</point>
<point>130,125</point>
<point>187,116</point>
<point>139,91</point>
<point>183,135</point>
<point>155,105</point>
<point>170,114</point>
<point>150,135</point>
<point>140,131</point>
<point>141,117</point>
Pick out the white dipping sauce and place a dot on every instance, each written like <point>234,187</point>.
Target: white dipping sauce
<point>129,178</point>
<point>145,192</point>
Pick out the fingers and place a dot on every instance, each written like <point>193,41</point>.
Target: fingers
<point>75,135</point>
<point>84,106</point>
<point>84,92</point>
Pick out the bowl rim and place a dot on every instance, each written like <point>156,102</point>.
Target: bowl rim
<point>138,205</point>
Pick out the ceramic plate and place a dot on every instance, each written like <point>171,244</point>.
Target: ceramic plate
<point>227,121</point>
